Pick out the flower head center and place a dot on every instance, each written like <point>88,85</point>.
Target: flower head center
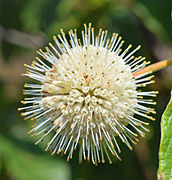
<point>97,88</point>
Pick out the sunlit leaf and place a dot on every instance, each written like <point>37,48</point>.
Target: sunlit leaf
<point>165,152</point>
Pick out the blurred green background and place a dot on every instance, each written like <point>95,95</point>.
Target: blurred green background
<point>25,26</point>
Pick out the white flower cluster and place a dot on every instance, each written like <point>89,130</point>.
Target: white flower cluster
<point>88,95</point>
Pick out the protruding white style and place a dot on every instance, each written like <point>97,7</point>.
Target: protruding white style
<point>87,95</point>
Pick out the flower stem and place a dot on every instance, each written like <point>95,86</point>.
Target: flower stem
<point>154,67</point>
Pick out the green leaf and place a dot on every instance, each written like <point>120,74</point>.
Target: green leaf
<point>22,164</point>
<point>165,152</point>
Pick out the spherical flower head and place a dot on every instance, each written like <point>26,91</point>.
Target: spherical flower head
<point>87,95</point>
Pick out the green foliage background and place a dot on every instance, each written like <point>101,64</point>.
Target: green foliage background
<point>26,25</point>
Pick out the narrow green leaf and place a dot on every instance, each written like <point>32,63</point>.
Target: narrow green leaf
<point>165,152</point>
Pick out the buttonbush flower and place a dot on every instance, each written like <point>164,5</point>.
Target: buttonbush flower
<point>86,95</point>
